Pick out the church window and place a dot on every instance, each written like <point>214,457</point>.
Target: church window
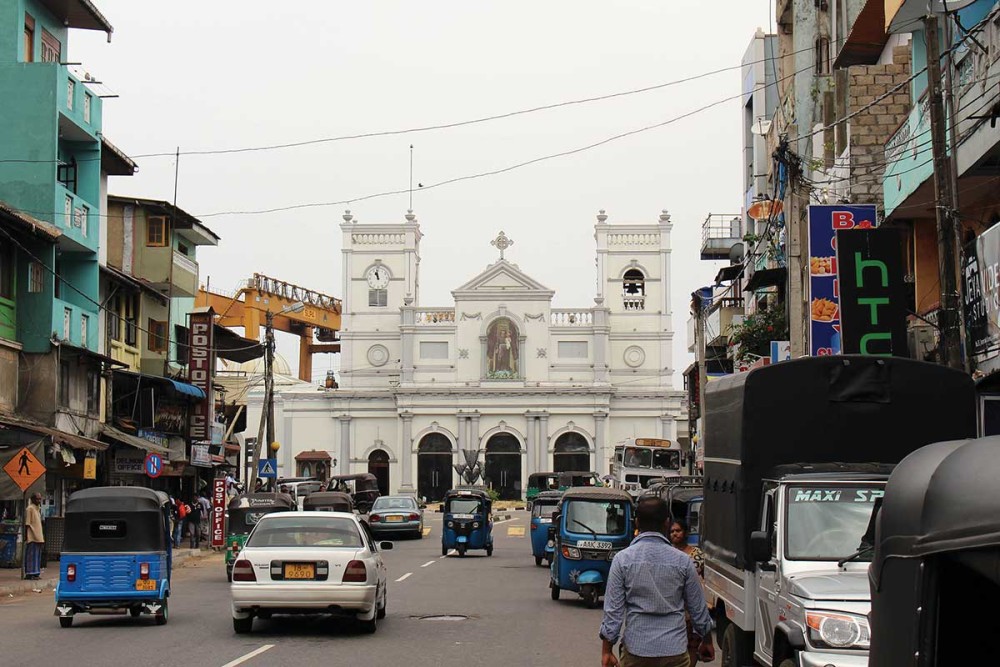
<point>378,298</point>
<point>634,290</point>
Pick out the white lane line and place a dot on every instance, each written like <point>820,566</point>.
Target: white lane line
<point>404,577</point>
<point>430,562</point>
<point>251,654</point>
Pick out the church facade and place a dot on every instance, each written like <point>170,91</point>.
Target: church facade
<point>500,373</point>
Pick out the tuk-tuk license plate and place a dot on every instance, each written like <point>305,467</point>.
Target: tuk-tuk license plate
<point>145,585</point>
<point>300,571</point>
<point>592,544</point>
<point>394,519</point>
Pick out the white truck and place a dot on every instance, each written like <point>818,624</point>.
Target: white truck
<point>796,457</point>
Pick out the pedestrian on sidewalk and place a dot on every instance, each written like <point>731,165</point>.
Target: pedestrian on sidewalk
<point>206,514</point>
<point>194,522</point>
<point>36,538</point>
<point>650,585</point>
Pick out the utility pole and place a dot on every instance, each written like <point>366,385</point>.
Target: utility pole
<point>797,228</point>
<point>265,432</point>
<point>699,334</point>
<point>949,317</point>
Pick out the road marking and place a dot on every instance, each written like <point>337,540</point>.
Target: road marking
<point>430,562</point>
<point>404,577</point>
<point>427,531</point>
<point>251,654</point>
<point>451,552</point>
<point>515,531</point>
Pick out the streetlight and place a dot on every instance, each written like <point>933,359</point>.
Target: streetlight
<point>267,414</point>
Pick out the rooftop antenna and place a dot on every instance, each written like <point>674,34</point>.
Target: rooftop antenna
<point>411,177</point>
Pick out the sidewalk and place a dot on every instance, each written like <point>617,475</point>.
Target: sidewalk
<point>11,583</point>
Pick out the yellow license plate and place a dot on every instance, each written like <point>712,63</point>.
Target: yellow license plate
<point>298,571</point>
<point>145,585</point>
<point>394,519</point>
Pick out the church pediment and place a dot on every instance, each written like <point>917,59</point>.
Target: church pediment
<point>505,278</point>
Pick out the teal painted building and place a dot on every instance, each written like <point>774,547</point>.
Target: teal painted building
<point>50,144</point>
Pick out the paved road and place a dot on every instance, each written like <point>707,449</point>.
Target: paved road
<point>511,620</point>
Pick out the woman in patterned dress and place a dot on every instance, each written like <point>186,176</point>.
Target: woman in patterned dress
<point>679,538</point>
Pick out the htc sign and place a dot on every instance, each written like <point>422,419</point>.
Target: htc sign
<point>201,367</point>
<point>872,293</point>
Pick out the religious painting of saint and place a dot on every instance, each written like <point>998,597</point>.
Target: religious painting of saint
<point>502,352</point>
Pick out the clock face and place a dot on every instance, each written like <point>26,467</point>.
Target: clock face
<point>377,277</point>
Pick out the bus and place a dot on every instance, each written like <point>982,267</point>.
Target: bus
<point>639,462</point>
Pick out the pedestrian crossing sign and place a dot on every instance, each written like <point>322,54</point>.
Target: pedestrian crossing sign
<point>24,468</point>
<point>267,468</point>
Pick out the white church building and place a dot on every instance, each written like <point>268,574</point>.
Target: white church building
<point>500,372</point>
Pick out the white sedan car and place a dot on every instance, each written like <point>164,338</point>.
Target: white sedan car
<point>309,563</point>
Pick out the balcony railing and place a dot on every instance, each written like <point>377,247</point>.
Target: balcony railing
<point>434,317</point>
<point>571,318</point>
<point>719,233</point>
<point>78,104</point>
<point>185,275</point>
<point>78,219</point>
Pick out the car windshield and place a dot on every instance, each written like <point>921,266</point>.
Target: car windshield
<point>595,517</point>
<point>306,531</point>
<point>394,504</point>
<point>666,459</point>
<point>637,458</point>
<point>543,510</point>
<point>464,505</point>
<point>827,522</point>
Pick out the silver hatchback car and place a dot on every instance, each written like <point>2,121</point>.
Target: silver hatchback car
<point>397,515</point>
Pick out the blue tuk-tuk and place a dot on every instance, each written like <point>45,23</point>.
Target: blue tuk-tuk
<point>542,509</point>
<point>590,526</point>
<point>116,553</point>
<point>468,521</point>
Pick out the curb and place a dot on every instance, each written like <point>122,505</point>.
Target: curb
<point>21,586</point>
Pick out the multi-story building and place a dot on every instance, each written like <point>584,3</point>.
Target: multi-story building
<point>501,373</point>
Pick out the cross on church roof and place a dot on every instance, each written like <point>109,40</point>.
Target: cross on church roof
<point>501,243</point>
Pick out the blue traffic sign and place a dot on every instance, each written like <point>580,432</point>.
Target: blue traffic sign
<point>154,465</point>
<point>267,467</point>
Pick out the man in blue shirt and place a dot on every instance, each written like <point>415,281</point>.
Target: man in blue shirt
<point>650,585</point>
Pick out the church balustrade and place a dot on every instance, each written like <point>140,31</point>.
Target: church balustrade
<point>432,317</point>
<point>571,318</point>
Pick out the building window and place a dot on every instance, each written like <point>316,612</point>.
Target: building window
<point>68,210</point>
<point>634,290</point>
<point>51,48</point>
<point>70,93</point>
<point>87,101</point>
<point>67,323</point>
<point>378,298</point>
<point>157,341</point>
<point>112,316</point>
<point>66,175</point>
<point>29,38</point>
<point>64,381</point>
<point>433,350</point>
<point>131,320</point>
<point>156,232</point>
<point>6,271</point>
<point>572,349</point>
<point>36,282</point>
<point>84,325</point>
<point>84,214</point>
<point>822,55</point>
<point>93,392</point>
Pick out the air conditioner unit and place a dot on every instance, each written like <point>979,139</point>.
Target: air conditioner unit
<point>922,339</point>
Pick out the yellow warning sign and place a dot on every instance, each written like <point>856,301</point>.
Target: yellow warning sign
<point>24,468</point>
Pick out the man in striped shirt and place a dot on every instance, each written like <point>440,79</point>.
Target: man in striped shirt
<point>650,585</point>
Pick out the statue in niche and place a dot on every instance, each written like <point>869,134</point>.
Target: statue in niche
<point>502,352</point>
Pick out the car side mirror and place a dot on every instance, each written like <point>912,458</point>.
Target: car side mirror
<point>385,546</point>
<point>552,532</point>
<point>760,546</point>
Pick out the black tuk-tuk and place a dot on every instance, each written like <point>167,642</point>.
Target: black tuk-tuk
<point>328,501</point>
<point>937,550</point>
<point>116,553</point>
<point>244,513</point>
<point>363,488</point>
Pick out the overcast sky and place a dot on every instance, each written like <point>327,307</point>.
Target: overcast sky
<point>215,75</point>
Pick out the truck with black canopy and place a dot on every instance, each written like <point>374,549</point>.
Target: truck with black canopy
<point>937,549</point>
<point>796,456</point>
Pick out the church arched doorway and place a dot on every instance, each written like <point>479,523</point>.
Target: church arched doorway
<point>434,470</point>
<point>378,465</point>
<point>503,465</point>
<point>572,453</point>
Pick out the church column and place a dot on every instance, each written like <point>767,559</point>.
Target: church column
<point>460,433</point>
<point>406,452</point>
<point>345,445</point>
<point>406,344</point>
<point>668,428</point>
<point>543,441</point>
<point>532,444</point>
<point>600,449</point>
<point>602,335</point>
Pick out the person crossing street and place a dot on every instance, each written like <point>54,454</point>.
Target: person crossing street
<point>35,538</point>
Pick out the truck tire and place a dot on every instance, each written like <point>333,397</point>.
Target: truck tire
<point>737,647</point>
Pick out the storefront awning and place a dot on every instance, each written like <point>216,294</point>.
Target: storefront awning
<point>58,437</point>
<point>133,441</point>
<point>187,389</point>
<point>182,388</point>
<point>766,278</point>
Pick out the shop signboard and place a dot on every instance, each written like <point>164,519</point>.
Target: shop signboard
<point>219,512</point>
<point>130,462</point>
<point>155,437</point>
<point>200,456</point>
<point>824,293</point>
<point>981,294</point>
<point>201,367</point>
<point>781,350</point>
<point>872,292</point>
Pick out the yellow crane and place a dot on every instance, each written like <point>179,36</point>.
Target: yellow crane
<point>316,323</point>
